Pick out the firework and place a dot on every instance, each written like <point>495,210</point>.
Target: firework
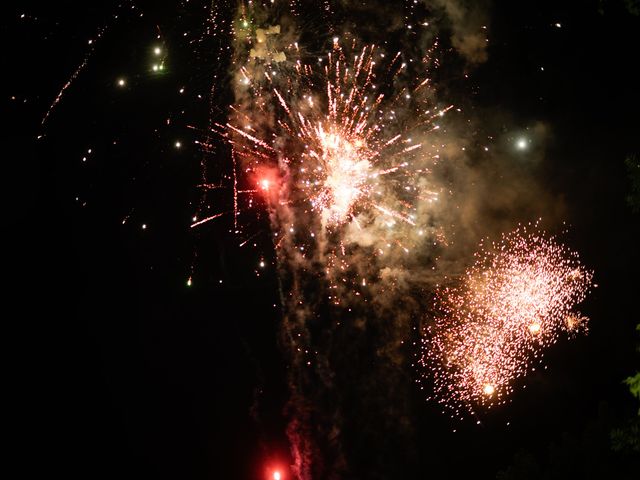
<point>344,150</point>
<point>515,301</point>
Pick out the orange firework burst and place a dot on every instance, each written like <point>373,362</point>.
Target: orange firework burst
<point>336,138</point>
<point>345,151</point>
<point>491,329</point>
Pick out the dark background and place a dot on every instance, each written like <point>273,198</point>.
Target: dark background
<point>115,368</point>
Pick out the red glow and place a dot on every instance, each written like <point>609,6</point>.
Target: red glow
<point>267,182</point>
<point>275,471</point>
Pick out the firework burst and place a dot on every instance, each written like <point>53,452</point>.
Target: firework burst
<point>345,152</point>
<point>515,301</point>
<point>347,148</point>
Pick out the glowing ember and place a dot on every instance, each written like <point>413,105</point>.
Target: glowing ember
<point>488,389</point>
<point>534,328</point>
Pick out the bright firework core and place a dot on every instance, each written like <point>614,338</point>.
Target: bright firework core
<point>343,162</point>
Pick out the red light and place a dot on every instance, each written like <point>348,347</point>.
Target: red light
<point>267,182</point>
<point>277,475</point>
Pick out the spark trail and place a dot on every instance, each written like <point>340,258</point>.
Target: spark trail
<point>122,8</point>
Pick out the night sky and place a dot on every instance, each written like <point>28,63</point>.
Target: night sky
<point>142,348</point>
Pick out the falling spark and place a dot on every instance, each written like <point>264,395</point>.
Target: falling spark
<point>66,86</point>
